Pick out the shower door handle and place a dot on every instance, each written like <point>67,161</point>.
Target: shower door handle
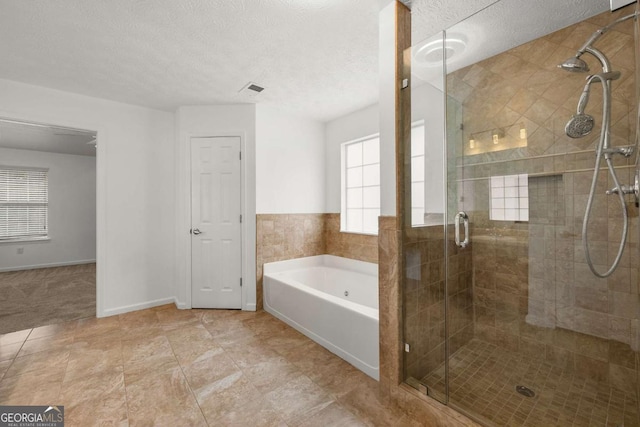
<point>465,220</point>
<point>636,187</point>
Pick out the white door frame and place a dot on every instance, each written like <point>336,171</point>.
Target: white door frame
<point>101,189</point>
<point>183,238</point>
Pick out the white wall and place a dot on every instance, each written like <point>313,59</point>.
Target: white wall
<point>135,189</point>
<point>387,114</point>
<point>215,120</point>
<point>72,211</point>
<point>356,125</point>
<point>428,104</point>
<point>283,172</point>
<point>290,163</point>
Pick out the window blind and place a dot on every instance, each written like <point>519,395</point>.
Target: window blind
<point>24,199</point>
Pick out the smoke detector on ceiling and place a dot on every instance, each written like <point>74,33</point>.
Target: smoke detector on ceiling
<point>251,89</point>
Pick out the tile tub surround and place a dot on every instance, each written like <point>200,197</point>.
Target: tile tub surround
<point>362,247</point>
<point>164,366</point>
<point>281,237</point>
<point>389,307</point>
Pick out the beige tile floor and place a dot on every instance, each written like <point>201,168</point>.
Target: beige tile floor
<point>169,367</point>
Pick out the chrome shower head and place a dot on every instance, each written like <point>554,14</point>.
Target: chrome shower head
<point>574,65</point>
<point>579,125</point>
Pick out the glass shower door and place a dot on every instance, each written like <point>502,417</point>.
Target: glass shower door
<point>533,336</point>
<point>424,295</point>
<point>513,328</point>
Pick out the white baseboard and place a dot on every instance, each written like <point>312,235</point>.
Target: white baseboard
<point>180,304</point>
<point>53,264</point>
<point>136,307</point>
<point>183,306</point>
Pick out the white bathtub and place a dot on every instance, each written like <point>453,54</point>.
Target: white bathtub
<point>333,301</point>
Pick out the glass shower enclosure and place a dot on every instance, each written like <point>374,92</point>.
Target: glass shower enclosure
<point>503,318</point>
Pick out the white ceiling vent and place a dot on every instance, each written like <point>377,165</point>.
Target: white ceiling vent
<point>251,89</point>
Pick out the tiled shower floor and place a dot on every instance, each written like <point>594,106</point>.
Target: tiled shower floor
<point>483,381</point>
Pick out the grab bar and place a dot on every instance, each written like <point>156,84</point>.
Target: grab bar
<point>465,220</point>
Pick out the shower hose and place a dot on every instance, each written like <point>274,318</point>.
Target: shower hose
<point>602,145</point>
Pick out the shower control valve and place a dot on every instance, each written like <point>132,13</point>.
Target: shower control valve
<point>626,189</point>
<point>625,151</point>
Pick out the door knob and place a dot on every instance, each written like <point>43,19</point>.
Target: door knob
<point>196,231</point>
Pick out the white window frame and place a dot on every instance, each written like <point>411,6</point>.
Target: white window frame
<point>6,202</point>
<point>343,186</point>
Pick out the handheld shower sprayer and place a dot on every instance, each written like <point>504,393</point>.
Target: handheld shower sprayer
<point>581,124</point>
<point>584,97</point>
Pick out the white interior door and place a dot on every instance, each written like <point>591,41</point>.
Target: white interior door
<point>216,251</point>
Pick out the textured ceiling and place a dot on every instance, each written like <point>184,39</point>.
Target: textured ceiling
<point>318,58</point>
<point>315,57</point>
<point>52,139</point>
<point>501,23</point>
<point>490,27</point>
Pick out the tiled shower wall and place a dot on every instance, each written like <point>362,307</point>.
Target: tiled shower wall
<point>533,291</point>
<point>424,298</point>
<point>287,236</point>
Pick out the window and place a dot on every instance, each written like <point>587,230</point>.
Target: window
<point>418,208</point>
<point>510,198</point>
<point>361,185</point>
<point>427,175</point>
<point>23,203</point>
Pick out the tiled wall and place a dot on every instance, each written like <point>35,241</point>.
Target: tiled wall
<point>410,400</point>
<point>287,236</point>
<point>281,237</point>
<point>362,247</point>
<point>390,314</point>
<point>533,291</point>
<point>424,298</point>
